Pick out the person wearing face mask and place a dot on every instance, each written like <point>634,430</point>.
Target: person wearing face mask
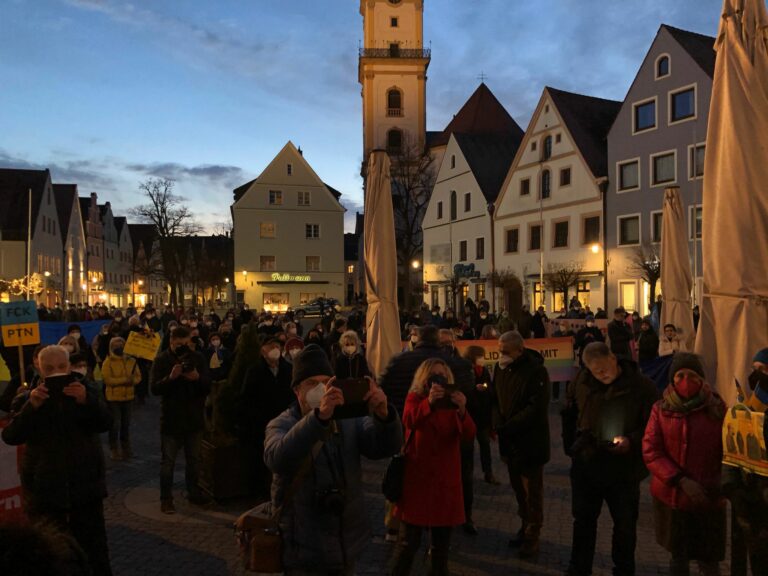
<point>292,330</point>
<point>604,421</point>
<point>413,337</point>
<point>120,374</point>
<point>351,362</point>
<point>219,358</point>
<point>268,327</point>
<point>16,384</point>
<point>326,520</point>
<point>647,343</point>
<point>586,335</point>
<point>63,477</point>
<point>293,347</point>
<point>332,342</point>
<point>266,394</point>
<point>449,320</point>
<point>180,377</point>
<point>620,334</point>
<point>748,491</point>
<point>683,451</point>
<point>521,419</point>
<point>69,343</point>
<point>432,491</point>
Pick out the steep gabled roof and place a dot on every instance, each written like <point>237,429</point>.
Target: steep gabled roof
<point>14,200</point>
<point>489,157</point>
<point>120,221</point>
<point>241,190</point>
<point>143,235</point>
<point>699,46</point>
<point>351,243</point>
<point>65,198</point>
<point>588,120</point>
<point>333,191</point>
<point>483,114</point>
<point>85,210</point>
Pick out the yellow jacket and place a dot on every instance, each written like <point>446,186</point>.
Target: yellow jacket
<point>120,375</point>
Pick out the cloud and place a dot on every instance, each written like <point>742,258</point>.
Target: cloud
<point>353,206</point>
<point>87,174</point>
<point>230,176</point>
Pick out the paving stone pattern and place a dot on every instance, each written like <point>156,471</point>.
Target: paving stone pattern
<point>199,541</point>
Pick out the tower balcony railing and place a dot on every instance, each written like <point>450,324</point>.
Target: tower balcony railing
<point>393,52</point>
<point>394,112</point>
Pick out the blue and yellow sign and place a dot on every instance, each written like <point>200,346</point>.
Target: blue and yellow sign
<point>19,323</point>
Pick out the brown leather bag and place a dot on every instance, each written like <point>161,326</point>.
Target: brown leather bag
<point>257,531</point>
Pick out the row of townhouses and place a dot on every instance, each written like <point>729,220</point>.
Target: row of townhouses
<point>579,193</point>
<point>81,253</point>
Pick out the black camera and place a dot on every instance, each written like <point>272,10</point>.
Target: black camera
<point>330,500</point>
<point>187,366</point>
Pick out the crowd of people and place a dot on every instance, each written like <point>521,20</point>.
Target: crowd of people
<point>279,387</point>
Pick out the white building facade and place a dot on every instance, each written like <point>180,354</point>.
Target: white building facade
<point>289,236</point>
<point>549,214</point>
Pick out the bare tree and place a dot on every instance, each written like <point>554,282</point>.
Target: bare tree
<point>413,178</point>
<point>510,283</point>
<point>561,277</point>
<point>173,220</point>
<point>646,263</point>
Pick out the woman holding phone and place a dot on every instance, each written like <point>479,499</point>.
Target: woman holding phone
<point>436,422</point>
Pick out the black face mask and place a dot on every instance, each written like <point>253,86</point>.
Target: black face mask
<point>182,350</point>
<point>758,378</point>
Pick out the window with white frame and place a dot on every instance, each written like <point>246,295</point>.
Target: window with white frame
<point>275,198</point>
<point>267,263</point>
<point>468,202</point>
<point>682,104</point>
<point>591,230</point>
<point>695,214</point>
<point>662,66</point>
<point>696,161</point>
<point>560,237</point>
<point>480,248</point>
<point>462,250</point>
<point>644,116</point>
<point>629,230</point>
<point>439,210</point>
<point>313,263</point>
<point>628,175</point>
<point>512,240</point>
<point>534,237</point>
<point>565,177</point>
<point>657,218</point>
<point>305,198</point>
<point>525,186</point>
<point>312,231</point>
<point>663,168</point>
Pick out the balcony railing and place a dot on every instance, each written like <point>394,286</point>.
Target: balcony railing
<point>394,112</point>
<point>395,52</point>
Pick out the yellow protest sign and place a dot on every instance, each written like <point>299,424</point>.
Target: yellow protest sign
<point>744,440</point>
<point>19,323</point>
<point>141,345</point>
<point>21,334</point>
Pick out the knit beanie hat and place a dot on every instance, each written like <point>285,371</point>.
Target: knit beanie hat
<point>312,361</point>
<point>686,360</point>
<point>761,356</point>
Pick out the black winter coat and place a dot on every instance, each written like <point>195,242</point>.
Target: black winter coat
<point>63,465</point>
<point>620,335</point>
<point>596,413</point>
<point>265,396</point>
<point>647,345</point>
<point>351,366</point>
<point>183,401</point>
<point>398,375</point>
<point>522,410</point>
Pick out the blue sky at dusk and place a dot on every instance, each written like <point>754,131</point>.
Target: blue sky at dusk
<point>107,93</point>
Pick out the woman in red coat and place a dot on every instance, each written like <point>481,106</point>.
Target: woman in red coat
<point>436,422</point>
<point>683,450</point>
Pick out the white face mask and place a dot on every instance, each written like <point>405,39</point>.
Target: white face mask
<point>75,335</point>
<point>350,350</point>
<point>314,397</point>
<point>274,354</point>
<point>294,352</point>
<point>292,332</point>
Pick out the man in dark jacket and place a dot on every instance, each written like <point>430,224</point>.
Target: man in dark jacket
<point>526,320</point>
<point>539,323</point>
<point>63,469</point>
<point>325,523</point>
<point>588,334</point>
<point>521,385</point>
<point>620,334</point>
<point>398,375</point>
<point>180,376</point>
<point>267,393</point>
<point>603,425</point>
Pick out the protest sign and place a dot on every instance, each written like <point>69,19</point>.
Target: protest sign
<point>744,440</point>
<point>557,352</point>
<point>19,323</point>
<point>140,345</point>
<point>10,481</point>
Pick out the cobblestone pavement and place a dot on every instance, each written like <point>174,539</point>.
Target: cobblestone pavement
<point>200,541</point>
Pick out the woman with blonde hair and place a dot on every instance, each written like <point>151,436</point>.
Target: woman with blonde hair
<point>70,343</point>
<point>436,422</point>
<point>350,363</point>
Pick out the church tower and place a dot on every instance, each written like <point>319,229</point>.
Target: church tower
<point>393,73</point>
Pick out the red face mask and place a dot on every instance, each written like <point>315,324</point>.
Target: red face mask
<point>688,386</point>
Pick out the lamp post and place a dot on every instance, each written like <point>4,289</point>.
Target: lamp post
<point>245,284</point>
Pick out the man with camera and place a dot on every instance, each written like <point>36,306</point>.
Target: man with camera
<point>180,376</point>
<point>314,452</point>
<point>604,421</point>
<point>521,419</point>
<point>63,468</point>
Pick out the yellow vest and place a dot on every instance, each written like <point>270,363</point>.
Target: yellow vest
<point>120,376</point>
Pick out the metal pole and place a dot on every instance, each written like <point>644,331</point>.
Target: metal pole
<point>694,223</point>
<point>29,243</point>
<point>541,246</point>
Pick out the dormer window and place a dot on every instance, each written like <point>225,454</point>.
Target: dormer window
<point>662,67</point>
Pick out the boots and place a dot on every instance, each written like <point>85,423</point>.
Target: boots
<point>530,546</point>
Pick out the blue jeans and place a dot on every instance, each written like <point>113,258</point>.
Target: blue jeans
<point>121,423</point>
<point>170,444</point>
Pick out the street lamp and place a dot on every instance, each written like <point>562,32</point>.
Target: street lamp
<point>46,274</point>
<point>595,248</point>
<point>415,264</point>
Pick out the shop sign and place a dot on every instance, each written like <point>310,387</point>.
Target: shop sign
<point>291,278</point>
